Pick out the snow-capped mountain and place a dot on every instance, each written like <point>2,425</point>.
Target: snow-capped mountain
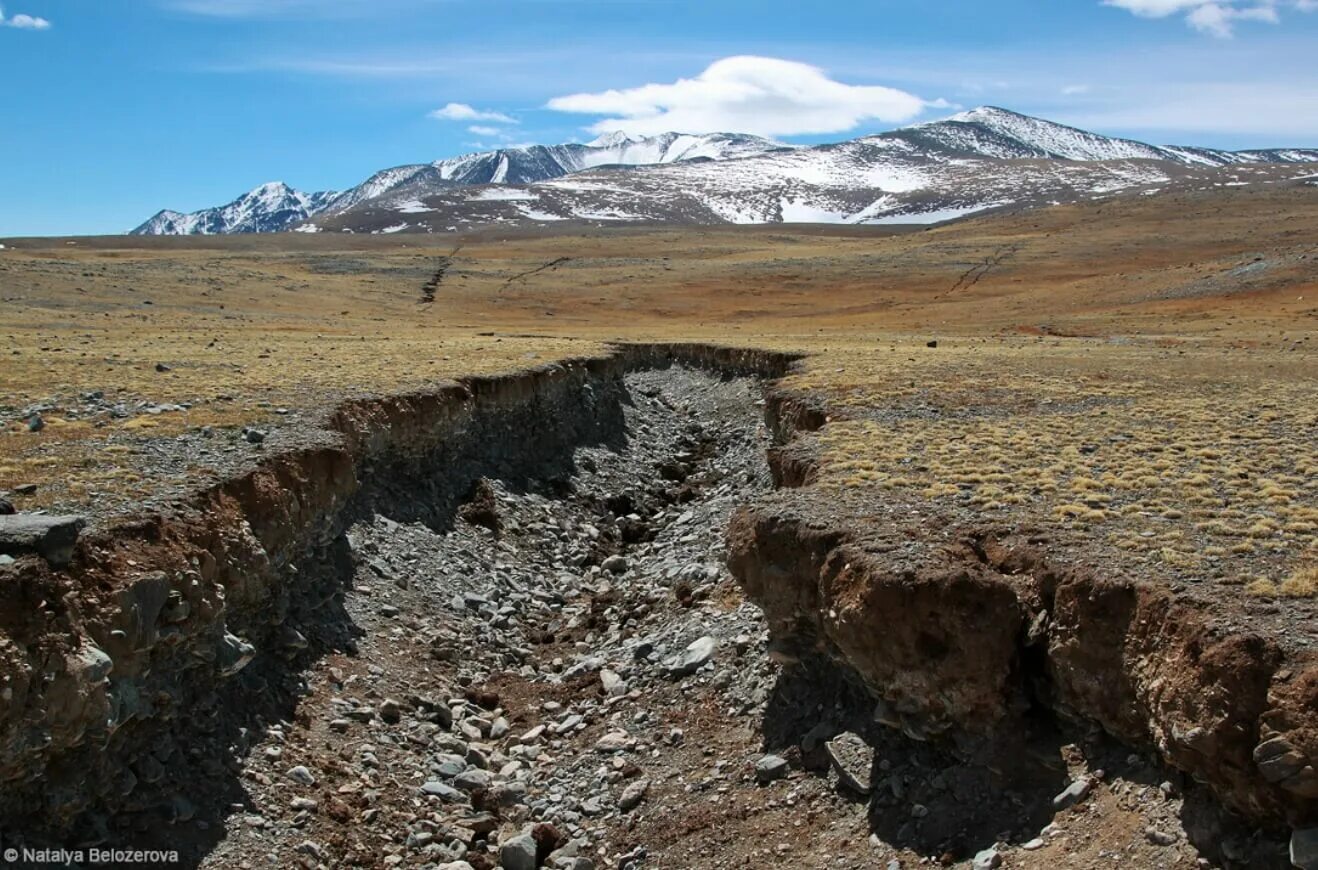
<point>976,160</point>
<point>274,207</point>
<point>267,209</point>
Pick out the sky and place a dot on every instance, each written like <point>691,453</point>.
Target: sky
<point>113,109</point>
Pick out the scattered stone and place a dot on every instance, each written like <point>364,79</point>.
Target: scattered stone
<point>253,436</point>
<point>301,774</point>
<point>391,711</point>
<point>161,367</point>
<point>518,853</point>
<point>52,537</point>
<point>35,423</point>
<point>633,794</point>
<point>6,508</point>
<point>1159,838</point>
<point>614,741</point>
<point>1073,794</point>
<point>987,859</point>
<point>614,685</point>
<point>615,564</point>
<point>853,759</point>
<point>693,657</point>
<point>770,768</point>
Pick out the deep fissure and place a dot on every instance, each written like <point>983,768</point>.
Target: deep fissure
<point>518,549</point>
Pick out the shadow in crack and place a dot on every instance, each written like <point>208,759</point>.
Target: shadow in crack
<point>529,446</point>
<point>947,797</point>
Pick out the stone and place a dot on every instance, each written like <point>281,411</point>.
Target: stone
<point>693,657</point>
<point>470,780</point>
<point>253,436</point>
<point>302,803</point>
<point>614,741</point>
<point>35,423</point>
<point>770,768</point>
<point>442,791</point>
<point>51,537</point>
<point>633,794</point>
<point>301,774</point>
<point>518,853</point>
<point>533,735</point>
<point>615,564</point>
<point>391,711</point>
<point>614,685</point>
<point>986,859</point>
<point>853,759</point>
<point>1159,838</point>
<point>1304,848</point>
<point>7,507</point>
<point>1073,794</point>
<point>233,655</point>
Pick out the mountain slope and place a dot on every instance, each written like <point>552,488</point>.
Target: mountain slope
<point>984,158</point>
<point>276,206</point>
<point>269,208</point>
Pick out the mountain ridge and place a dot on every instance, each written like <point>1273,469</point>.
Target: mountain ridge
<point>973,160</point>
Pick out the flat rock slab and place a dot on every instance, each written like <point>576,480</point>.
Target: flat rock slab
<point>853,759</point>
<point>52,538</point>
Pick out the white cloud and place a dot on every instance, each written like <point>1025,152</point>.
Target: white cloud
<point>484,131</point>
<point>1074,90</point>
<point>1214,17</point>
<point>23,22</point>
<point>761,95</point>
<point>463,112</point>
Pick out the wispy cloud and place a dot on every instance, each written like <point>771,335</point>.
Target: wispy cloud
<point>1214,17</point>
<point>23,22</point>
<point>763,95</point>
<point>464,112</point>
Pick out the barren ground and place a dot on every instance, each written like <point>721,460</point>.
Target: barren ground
<point>1135,380</point>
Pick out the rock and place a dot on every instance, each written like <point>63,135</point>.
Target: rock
<point>6,508</point>
<point>615,564</point>
<point>614,741</point>
<point>302,803</point>
<point>51,537</point>
<point>35,423</point>
<point>770,768</point>
<point>442,791</point>
<point>1304,848</point>
<point>518,853</point>
<point>935,344</point>
<point>456,865</point>
<point>987,859</point>
<point>391,711</point>
<point>470,780</point>
<point>253,436</point>
<point>853,759</point>
<point>1159,838</point>
<point>693,657</point>
<point>26,489</point>
<point>1073,793</point>
<point>633,794</point>
<point>162,368</point>
<point>233,655</point>
<point>533,735</point>
<point>301,774</point>
<point>614,685</point>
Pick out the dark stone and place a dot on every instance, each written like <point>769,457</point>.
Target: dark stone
<point>52,537</point>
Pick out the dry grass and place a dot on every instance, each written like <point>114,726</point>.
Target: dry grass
<point>1111,378</point>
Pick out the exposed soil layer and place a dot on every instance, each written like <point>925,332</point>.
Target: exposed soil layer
<point>502,610</point>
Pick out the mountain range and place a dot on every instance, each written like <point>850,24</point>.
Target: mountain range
<point>977,160</point>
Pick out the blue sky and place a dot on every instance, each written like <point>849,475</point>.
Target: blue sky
<point>113,109</point>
